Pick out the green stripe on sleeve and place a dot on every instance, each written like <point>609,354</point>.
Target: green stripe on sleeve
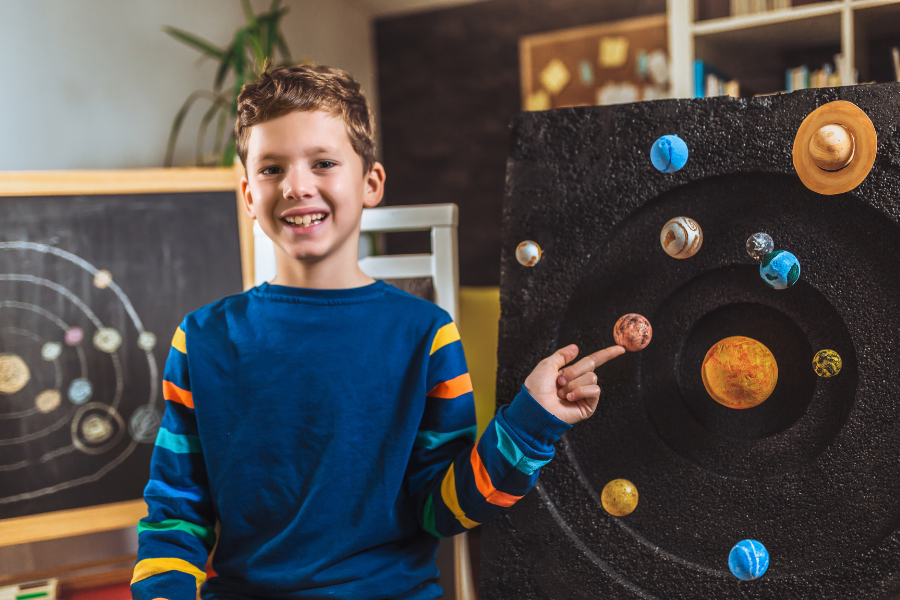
<point>428,518</point>
<point>207,535</point>
<point>177,442</point>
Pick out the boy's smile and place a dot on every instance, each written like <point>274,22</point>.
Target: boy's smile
<point>306,187</point>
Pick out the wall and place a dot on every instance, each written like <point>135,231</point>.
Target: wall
<point>95,84</point>
<point>449,83</point>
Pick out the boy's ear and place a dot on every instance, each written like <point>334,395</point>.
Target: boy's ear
<point>247,198</point>
<point>374,182</point>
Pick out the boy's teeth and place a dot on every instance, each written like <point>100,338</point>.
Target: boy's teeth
<point>305,220</point>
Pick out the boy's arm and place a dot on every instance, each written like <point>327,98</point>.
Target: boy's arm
<point>178,533</point>
<point>457,484</point>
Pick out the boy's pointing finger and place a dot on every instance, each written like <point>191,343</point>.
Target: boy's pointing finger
<point>589,363</point>
<point>563,356</point>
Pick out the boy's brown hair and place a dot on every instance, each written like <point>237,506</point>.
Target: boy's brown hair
<point>307,87</point>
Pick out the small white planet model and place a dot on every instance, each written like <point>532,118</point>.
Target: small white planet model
<point>681,237</point>
<point>528,253</point>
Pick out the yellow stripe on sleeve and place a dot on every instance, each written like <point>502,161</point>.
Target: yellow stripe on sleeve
<point>448,493</point>
<point>155,566</point>
<point>179,342</point>
<point>445,335</point>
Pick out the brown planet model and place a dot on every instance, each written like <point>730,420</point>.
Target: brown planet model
<point>633,332</point>
<point>739,372</point>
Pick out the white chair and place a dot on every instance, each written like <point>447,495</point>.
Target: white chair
<point>441,265</point>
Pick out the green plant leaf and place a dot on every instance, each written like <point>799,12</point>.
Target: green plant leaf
<point>229,153</point>
<point>248,12</point>
<point>220,133</point>
<point>222,71</point>
<point>218,104</point>
<point>259,54</point>
<point>179,119</point>
<point>238,55</point>
<point>196,42</point>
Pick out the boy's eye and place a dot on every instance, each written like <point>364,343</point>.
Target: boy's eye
<point>270,170</point>
<point>325,164</point>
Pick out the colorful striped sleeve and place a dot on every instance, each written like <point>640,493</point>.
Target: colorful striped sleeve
<point>455,483</point>
<point>179,531</point>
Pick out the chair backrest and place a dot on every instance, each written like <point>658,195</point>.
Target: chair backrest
<point>440,265</point>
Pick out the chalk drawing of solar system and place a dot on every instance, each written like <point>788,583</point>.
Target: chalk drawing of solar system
<point>53,378</point>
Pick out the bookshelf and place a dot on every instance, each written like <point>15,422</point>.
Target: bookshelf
<point>757,49</point>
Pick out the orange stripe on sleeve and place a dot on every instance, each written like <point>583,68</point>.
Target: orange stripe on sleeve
<point>176,394</point>
<point>452,389</point>
<point>487,489</point>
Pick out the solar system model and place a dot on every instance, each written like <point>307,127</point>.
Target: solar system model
<point>755,411</point>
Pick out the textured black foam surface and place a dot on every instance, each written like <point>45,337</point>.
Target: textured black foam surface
<point>814,472</point>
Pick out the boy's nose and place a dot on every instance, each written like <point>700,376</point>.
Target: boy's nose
<point>298,185</point>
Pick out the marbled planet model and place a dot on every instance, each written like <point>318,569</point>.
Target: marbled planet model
<point>528,253</point>
<point>669,153</point>
<point>780,269</point>
<point>633,332</point>
<point>827,363</point>
<point>759,244</point>
<point>739,372</point>
<point>748,560</point>
<point>619,497</point>
<point>681,237</point>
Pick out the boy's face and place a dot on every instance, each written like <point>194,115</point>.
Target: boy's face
<point>306,187</point>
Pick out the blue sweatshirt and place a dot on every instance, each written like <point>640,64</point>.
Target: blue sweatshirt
<point>331,434</point>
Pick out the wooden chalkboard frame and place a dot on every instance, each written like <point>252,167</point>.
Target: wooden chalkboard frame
<point>118,515</point>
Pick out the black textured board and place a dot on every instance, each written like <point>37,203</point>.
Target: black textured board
<point>168,254</point>
<point>814,472</point>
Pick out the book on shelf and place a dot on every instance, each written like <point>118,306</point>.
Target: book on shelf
<point>750,7</point>
<point>801,78</point>
<point>895,54</point>
<point>708,82</point>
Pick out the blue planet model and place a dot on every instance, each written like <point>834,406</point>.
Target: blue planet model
<point>780,269</point>
<point>748,560</point>
<point>669,153</point>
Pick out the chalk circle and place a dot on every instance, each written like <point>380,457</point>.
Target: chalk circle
<point>107,339</point>
<point>146,341</point>
<point>14,373</point>
<point>96,428</point>
<point>102,279</point>
<point>865,143</point>
<point>51,351</point>
<point>80,390</point>
<point>74,335</point>
<point>144,424</point>
<point>48,401</point>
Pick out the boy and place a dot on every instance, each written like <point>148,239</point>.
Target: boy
<point>326,420</point>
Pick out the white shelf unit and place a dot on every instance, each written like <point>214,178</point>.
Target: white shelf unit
<point>747,42</point>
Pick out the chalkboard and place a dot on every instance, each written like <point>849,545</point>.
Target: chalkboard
<point>93,284</point>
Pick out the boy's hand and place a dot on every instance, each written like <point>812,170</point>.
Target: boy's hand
<point>570,394</point>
